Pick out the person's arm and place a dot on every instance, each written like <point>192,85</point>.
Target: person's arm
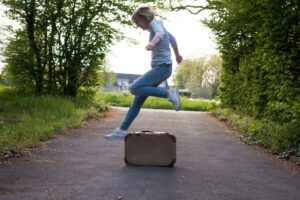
<point>159,34</point>
<point>156,39</point>
<point>175,47</point>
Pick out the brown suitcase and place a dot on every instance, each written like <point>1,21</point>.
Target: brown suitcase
<point>150,148</point>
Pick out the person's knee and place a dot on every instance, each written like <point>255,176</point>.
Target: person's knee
<point>133,89</point>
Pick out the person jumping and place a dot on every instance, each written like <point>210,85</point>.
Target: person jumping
<point>161,69</point>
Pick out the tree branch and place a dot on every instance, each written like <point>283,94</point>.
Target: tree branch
<point>193,9</point>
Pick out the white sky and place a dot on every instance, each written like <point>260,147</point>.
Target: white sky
<point>193,38</point>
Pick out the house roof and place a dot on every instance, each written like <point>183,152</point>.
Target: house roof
<point>130,77</point>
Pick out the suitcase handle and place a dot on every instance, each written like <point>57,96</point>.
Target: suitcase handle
<point>145,131</point>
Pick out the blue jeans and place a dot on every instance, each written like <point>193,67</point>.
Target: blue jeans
<point>145,86</point>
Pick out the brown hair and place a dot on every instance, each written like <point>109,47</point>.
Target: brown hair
<point>145,12</point>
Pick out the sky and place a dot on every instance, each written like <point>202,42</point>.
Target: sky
<point>193,38</point>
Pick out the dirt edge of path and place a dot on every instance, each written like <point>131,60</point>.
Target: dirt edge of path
<point>266,153</point>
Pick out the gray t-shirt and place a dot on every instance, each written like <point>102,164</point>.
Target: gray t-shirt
<point>161,52</point>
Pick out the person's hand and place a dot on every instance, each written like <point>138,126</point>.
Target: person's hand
<point>179,59</point>
<point>150,47</point>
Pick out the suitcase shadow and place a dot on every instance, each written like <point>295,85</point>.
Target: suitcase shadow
<point>149,171</point>
<point>148,167</point>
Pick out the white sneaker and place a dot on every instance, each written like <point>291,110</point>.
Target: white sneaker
<point>117,134</point>
<point>174,98</point>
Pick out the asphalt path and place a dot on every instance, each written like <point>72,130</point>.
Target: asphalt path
<point>211,164</point>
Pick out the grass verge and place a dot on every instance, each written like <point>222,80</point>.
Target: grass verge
<point>125,100</point>
<point>280,139</point>
<point>27,120</point>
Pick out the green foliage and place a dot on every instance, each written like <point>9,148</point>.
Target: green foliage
<point>200,76</point>
<point>125,100</point>
<point>4,80</point>
<point>63,43</point>
<point>20,61</point>
<point>106,76</point>
<point>189,74</point>
<point>282,139</point>
<point>26,120</point>
<point>260,45</point>
<point>260,51</point>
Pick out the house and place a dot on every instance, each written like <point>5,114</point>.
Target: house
<point>185,92</point>
<point>124,81</point>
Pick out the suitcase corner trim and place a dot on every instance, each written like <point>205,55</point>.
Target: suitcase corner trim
<point>126,161</point>
<point>173,137</point>
<point>172,163</point>
<point>127,136</point>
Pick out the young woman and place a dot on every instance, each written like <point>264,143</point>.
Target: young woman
<point>161,69</point>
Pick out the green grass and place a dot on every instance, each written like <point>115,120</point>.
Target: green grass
<point>125,100</point>
<point>27,120</point>
<point>281,139</point>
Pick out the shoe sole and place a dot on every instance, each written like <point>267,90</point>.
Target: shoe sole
<point>114,139</point>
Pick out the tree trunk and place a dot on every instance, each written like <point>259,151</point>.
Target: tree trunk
<point>30,19</point>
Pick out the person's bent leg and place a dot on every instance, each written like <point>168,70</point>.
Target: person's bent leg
<point>133,111</point>
<point>120,132</point>
<point>146,85</point>
<point>152,91</point>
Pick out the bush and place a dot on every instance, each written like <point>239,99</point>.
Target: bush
<point>282,139</point>
<point>259,44</point>
<point>26,120</point>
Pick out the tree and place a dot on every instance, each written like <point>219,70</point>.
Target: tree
<point>194,7</point>
<point>259,43</point>
<point>107,76</point>
<point>67,38</point>
<point>211,77</point>
<point>20,68</point>
<point>199,75</point>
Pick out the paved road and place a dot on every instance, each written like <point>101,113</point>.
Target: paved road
<point>210,165</point>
